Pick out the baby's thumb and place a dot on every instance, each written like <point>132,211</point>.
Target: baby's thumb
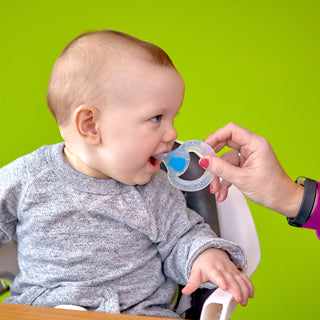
<point>193,283</point>
<point>219,167</point>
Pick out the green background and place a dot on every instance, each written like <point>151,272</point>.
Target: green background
<point>252,62</point>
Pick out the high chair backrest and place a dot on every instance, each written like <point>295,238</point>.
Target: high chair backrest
<point>8,261</point>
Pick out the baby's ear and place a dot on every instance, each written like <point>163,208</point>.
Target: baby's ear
<point>85,120</point>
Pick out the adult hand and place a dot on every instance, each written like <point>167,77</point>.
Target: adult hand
<point>253,168</point>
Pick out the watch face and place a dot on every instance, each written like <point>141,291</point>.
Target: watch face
<point>301,180</point>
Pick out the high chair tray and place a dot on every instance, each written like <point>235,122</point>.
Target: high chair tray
<point>21,312</point>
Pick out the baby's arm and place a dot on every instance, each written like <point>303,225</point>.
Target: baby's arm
<point>185,243</point>
<point>10,191</point>
<point>215,265</point>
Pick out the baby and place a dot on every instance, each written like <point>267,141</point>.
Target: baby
<point>98,224</point>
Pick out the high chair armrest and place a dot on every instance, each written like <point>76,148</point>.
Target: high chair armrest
<point>236,224</point>
<point>219,306</point>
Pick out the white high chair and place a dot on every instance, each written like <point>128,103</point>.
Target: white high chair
<point>230,219</point>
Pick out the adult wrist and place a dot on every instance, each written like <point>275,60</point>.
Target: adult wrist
<point>307,204</point>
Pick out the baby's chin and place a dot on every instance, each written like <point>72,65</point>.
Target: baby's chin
<point>142,180</point>
<point>141,175</point>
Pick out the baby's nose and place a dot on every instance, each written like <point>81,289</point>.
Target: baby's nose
<point>170,134</point>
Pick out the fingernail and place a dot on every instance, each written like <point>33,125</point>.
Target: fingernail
<point>218,197</point>
<point>211,188</point>
<point>204,163</point>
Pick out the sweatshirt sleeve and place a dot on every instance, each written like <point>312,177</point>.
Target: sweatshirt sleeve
<point>11,176</point>
<point>183,235</point>
<point>314,220</point>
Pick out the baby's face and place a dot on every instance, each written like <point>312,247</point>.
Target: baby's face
<point>137,122</point>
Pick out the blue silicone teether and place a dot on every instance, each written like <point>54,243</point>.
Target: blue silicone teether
<point>177,162</point>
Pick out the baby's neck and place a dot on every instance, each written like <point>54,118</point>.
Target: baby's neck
<point>76,162</point>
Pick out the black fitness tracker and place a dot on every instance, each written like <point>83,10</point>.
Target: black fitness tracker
<point>309,195</point>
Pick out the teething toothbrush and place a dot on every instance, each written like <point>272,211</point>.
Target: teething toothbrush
<point>177,162</point>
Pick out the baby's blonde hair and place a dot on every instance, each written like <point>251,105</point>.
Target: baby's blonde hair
<point>76,75</point>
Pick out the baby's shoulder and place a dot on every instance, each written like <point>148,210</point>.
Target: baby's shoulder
<point>26,165</point>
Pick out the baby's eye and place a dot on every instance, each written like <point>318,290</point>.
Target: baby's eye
<point>156,118</point>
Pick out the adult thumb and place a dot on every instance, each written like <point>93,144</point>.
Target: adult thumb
<point>220,167</point>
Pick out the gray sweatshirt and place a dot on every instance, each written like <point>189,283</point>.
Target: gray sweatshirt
<point>98,243</point>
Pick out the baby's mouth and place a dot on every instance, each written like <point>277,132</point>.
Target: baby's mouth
<point>154,164</point>
<point>153,161</point>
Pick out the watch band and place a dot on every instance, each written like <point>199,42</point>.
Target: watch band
<point>309,195</point>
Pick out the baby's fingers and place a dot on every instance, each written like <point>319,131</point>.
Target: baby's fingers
<point>241,288</point>
<point>249,285</point>
<point>193,283</point>
<point>196,278</point>
<point>217,277</point>
<point>234,287</point>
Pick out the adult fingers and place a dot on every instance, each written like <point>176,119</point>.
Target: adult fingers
<point>215,185</point>
<point>220,167</point>
<point>232,156</point>
<point>223,192</point>
<point>231,135</point>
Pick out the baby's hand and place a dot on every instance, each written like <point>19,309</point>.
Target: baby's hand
<point>215,265</point>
